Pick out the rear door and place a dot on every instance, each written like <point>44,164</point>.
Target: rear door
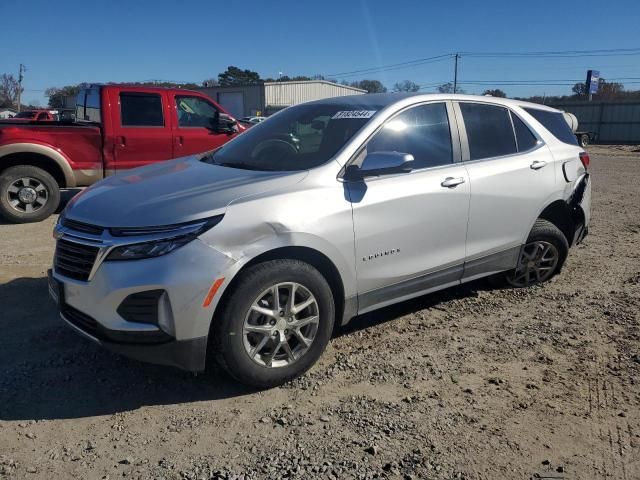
<point>511,175</point>
<point>410,228</point>
<point>192,131</point>
<point>141,128</point>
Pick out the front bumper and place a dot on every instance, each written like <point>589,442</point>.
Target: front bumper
<point>178,336</point>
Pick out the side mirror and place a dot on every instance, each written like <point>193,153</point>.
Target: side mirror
<point>381,163</point>
<point>223,123</point>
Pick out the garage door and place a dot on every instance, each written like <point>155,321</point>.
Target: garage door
<point>232,102</point>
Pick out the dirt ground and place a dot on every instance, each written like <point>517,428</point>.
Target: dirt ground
<point>469,383</point>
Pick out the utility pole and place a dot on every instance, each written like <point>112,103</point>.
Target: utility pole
<point>455,74</point>
<point>20,77</point>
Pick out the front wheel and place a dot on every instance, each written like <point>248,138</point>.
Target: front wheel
<point>27,194</point>
<point>275,323</point>
<point>541,257</point>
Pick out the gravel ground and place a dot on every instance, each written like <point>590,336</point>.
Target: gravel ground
<point>468,383</point>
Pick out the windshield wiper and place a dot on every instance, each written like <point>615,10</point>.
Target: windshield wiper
<point>240,165</point>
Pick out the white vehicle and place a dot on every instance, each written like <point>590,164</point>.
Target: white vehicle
<point>331,209</point>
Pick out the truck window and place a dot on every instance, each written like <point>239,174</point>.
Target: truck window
<point>194,112</point>
<point>555,123</point>
<point>141,110</point>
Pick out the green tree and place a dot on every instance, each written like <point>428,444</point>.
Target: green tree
<point>448,88</point>
<point>406,86</point>
<point>495,92</point>
<point>579,89</point>
<point>57,95</point>
<point>234,76</point>
<point>371,86</point>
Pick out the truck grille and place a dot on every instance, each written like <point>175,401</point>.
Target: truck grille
<point>75,260</point>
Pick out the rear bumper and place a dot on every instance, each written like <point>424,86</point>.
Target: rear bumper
<point>580,204</point>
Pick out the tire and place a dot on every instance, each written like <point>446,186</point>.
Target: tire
<point>248,355</point>
<point>541,258</point>
<point>27,194</point>
<point>584,140</point>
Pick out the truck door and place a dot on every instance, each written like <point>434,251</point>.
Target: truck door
<point>192,131</point>
<point>141,128</point>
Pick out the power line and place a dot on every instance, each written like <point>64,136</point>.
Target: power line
<point>532,54</point>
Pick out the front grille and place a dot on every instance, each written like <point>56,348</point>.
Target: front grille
<point>141,307</point>
<point>75,260</point>
<point>82,227</point>
<point>81,320</point>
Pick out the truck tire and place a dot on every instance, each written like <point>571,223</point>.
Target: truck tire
<point>27,194</point>
<point>584,140</point>
<point>541,257</point>
<point>264,342</point>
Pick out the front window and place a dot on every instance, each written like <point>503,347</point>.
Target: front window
<point>195,112</point>
<point>297,138</point>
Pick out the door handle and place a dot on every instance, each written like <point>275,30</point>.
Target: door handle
<point>451,182</point>
<point>122,141</point>
<point>538,164</point>
<point>180,140</point>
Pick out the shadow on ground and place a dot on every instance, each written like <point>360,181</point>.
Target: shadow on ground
<point>47,371</point>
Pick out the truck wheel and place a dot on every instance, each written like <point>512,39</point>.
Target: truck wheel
<point>27,194</point>
<point>275,324</point>
<point>584,140</point>
<point>541,257</point>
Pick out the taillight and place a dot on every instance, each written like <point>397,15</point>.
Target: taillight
<point>584,158</point>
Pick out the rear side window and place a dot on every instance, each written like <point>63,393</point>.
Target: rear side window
<point>525,139</point>
<point>489,130</point>
<point>141,110</point>
<point>555,123</point>
<point>422,131</point>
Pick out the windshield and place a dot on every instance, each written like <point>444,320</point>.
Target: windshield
<point>25,115</point>
<point>297,138</point>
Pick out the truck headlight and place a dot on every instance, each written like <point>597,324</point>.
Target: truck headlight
<point>173,237</point>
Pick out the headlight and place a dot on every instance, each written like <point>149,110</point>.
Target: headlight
<point>175,237</point>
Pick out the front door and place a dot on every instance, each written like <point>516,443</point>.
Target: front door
<point>410,228</point>
<point>193,132</point>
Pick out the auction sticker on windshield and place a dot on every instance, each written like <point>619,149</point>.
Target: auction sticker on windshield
<point>354,114</point>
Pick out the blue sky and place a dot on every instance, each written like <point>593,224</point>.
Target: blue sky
<point>67,42</point>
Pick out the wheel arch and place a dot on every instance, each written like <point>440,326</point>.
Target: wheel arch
<point>40,156</point>
<point>562,216</point>
<point>313,257</point>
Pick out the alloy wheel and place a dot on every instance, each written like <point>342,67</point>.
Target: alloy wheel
<point>281,325</point>
<point>27,195</point>
<point>537,263</point>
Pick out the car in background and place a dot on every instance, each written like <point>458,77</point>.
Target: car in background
<point>116,128</point>
<point>253,120</point>
<point>35,116</point>
<point>250,254</point>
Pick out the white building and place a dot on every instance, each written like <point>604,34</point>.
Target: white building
<point>268,97</point>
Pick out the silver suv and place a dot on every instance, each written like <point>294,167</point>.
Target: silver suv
<point>250,254</point>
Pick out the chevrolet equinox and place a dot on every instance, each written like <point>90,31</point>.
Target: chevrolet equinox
<point>248,255</point>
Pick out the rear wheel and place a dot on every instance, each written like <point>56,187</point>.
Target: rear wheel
<point>275,323</point>
<point>27,194</point>
<point>541,257</point>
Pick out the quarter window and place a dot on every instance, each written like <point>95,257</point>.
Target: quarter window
<point>555,123</point>
<point>141,110</point>
<point>526,140</point>
<point>195,112</point>
<point>489,130</point>
<point>422,131</point>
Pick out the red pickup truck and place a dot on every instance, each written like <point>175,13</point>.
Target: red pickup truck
<point>117,127</point>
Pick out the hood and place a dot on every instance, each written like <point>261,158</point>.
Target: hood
<point>170,192</point>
